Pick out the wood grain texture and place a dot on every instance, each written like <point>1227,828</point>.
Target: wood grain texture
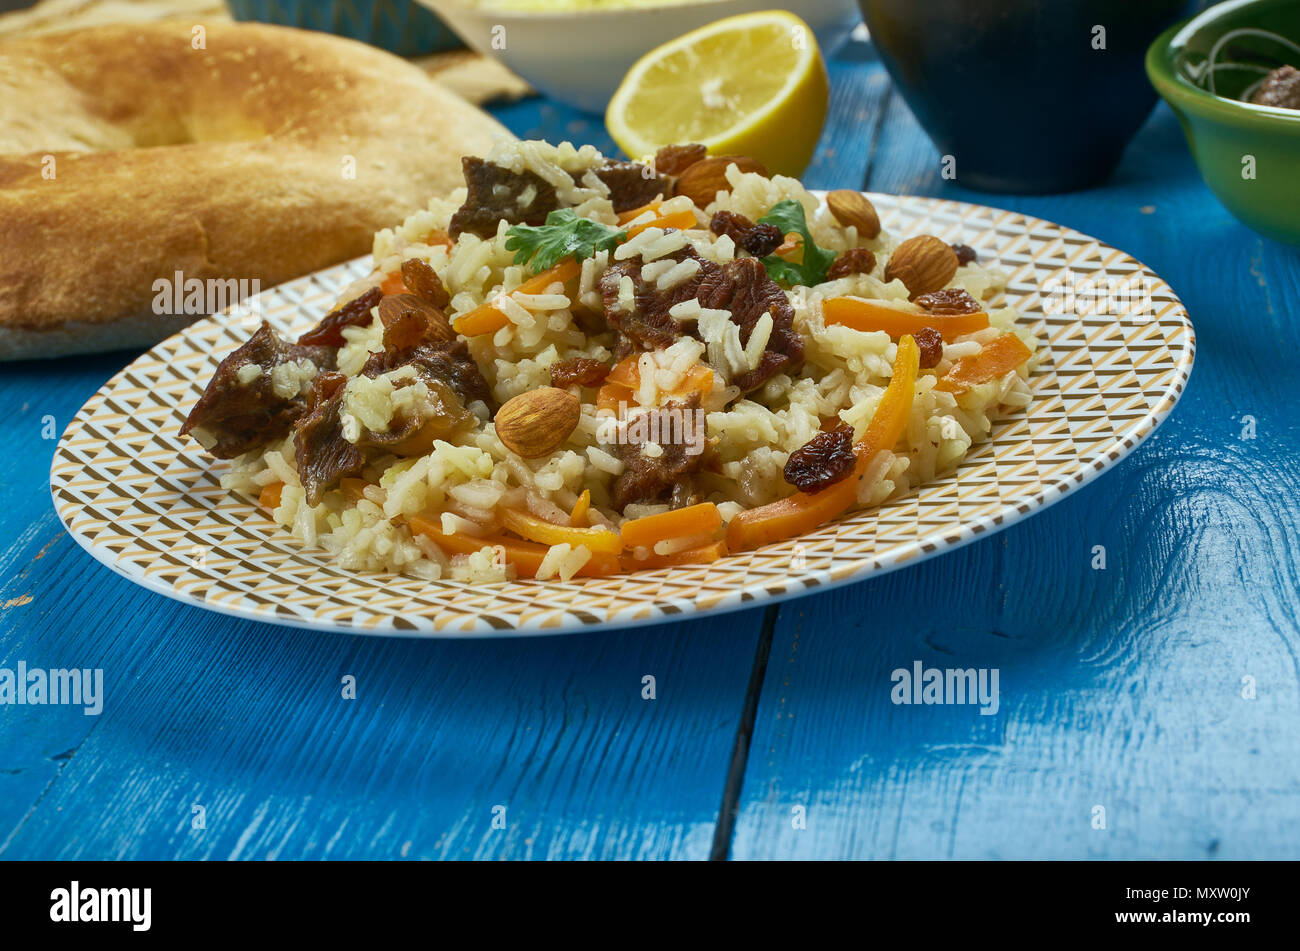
<point>249,722</point>
<point>1119,688</point>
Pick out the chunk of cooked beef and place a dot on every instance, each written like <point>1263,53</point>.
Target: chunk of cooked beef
<point>578,371</point>
<point>322,454</point>
<point>1280,89</point>
<point>495,194</point>
<point>237,417</point>
<point>670,476</point>
<point>408,321</point>
<point>852,261</point>
<point>648,325</point>
<point>423,281</point>
<point>448,361</point>
<point>743,287</point>
<point>354,313</point>
<point>631,184</point>
<point>758,240</point>
<point>413,434</point>
<point>740,286</point>
<point>675,159</point>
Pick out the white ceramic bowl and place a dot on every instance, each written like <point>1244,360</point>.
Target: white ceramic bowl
<point>580,57</point>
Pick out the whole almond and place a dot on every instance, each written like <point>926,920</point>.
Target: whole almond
<point>854,208</point>
<point>923,264</point>
<point>537,423</point>
<point>702,181</point>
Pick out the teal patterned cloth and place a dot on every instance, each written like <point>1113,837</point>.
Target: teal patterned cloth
<point>399,26</point>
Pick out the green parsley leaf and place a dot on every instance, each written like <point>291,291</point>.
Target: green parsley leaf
<point>789,217</point>
<point>564,235</point>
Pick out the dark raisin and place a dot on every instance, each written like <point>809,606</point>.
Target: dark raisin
<point>822,461</point>
<point>852,261</point>
<point>965,253</point>
<point>356,312</point>
<point>409,320</point>
<point>675,159</point>
<point>423,281</point>
<point>403,330</point>
<point>582,371</point>
<point>930,343</point>
<point>758,240</point>
<point>949,302</point>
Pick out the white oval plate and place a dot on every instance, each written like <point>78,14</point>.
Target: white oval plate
<point>147,502</point>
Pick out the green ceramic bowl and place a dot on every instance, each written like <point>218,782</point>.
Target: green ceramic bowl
<point>1249,155</point>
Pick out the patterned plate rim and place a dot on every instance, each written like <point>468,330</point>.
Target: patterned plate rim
<point>796,583</point>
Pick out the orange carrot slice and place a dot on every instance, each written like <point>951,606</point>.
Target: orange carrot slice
<point>393,284</point>
<point>860,314</point>
<point>704,554</point>
<point>525,556</point>
<point>487,319</point>
<point>678,219</point>
<point>627,374</point>
<point>792,243</point>
<point>535,529</point>
<point>438,236</point>
<point>802,512</point>
<point>633,213</point>
<point>354,489</point>
<point>644,532</point>
<point>609,396</point>
<point>269,497</point>
<point>999,356</point>
<point>578,517</point>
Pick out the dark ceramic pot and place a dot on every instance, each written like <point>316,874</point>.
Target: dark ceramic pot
<point>1022,93</point>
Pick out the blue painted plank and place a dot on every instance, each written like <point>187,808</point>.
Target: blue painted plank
<point>249,723</point>
<point>37,400</point>
<point>1119,688</point>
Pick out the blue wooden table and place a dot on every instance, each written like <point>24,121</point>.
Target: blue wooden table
<point>1150,708</point>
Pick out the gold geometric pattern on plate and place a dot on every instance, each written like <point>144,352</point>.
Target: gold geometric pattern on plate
<point>148,503</point>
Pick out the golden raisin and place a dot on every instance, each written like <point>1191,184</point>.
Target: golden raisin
<point>424,283</point>
<point>582,371</point>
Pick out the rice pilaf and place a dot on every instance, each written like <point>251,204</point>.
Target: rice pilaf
<point>691,396</point>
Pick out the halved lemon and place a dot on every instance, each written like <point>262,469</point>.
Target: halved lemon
<point>753,84</point>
